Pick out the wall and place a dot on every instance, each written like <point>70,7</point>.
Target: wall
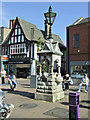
<point>82,30</point>
<point>84,42</point>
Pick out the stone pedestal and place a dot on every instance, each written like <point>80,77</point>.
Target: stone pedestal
<point>33,81</point>
<point>49,89</point>
<point>49,97</point>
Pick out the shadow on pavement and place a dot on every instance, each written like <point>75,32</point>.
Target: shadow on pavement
<point>22,93</point>
<point>73,89</point>
<point>25,85</point>
<point>86,101</point>
<point>64,103</point>
<point>3,89</point>
<point>80,105</point>
<point>83,106</point>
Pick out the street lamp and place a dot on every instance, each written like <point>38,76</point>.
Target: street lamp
<point>50,17</point>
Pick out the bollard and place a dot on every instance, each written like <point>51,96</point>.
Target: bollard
<point>73,106</point>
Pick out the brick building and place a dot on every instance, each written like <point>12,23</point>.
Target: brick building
<point>78,47</point>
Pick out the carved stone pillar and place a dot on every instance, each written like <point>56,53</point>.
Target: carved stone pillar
<point>51,69</point>
<point>40,70</point>
<point>58,69</point>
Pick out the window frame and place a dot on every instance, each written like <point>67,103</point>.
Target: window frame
<point>76,40</point>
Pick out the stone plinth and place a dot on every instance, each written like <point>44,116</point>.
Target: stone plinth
<point>49,89</point>
<point>49,97</point>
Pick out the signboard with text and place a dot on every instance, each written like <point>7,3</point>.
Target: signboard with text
<point>4,58</point>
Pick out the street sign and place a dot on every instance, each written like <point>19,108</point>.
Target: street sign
<point>4,58</point>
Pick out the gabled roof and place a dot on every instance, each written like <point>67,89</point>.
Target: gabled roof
<point>53,47</point>
<point>85,20</point>
<point>81,20</point>
<point>26,27</point>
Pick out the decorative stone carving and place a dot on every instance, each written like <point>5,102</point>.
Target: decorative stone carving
<point>49,84</point>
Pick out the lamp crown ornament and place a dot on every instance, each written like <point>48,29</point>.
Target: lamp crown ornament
<point>50,17</point>
<point>50,8</point>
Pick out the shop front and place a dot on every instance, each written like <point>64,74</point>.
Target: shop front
<point>78,69</point>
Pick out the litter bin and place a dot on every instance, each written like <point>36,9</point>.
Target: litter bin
<point>73,106</point>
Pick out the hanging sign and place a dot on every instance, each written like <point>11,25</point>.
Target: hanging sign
<point>4,58</point>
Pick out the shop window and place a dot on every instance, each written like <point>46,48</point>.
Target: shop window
<point>76,40</point>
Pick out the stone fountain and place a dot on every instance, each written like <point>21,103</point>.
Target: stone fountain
<point>49,82</point>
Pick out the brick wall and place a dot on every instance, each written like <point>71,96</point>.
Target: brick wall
<point>84,43</point>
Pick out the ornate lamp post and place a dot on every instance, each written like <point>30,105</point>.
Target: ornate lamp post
<point>50,17</point>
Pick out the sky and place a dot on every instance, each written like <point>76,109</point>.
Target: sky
<point>33,12</point>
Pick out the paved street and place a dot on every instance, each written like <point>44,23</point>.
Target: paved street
<point>27,107</point>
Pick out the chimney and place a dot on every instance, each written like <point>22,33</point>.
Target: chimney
<point>47,26</point>
<point>11,23</point>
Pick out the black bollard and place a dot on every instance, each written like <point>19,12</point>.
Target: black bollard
<point>73,106</point>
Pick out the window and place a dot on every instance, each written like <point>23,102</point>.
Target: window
<point>18,49</point>
<point>19,38</point>
<point>13,34</point>
<point>16,26</point>
<point>19,31</point>
<point>76,40</point>
<point>22,39</point>
<point>15,31</point>
<point>15,39</point>
<point>12,40</point>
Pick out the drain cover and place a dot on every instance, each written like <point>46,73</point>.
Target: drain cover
<point>28,105</point>
<point>58,112</point>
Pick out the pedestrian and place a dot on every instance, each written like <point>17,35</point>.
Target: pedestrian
<point>5,109</point>
<point>85,81</point>
<point>66,81</point>
<point>3,75</point>
<point>12,80</point>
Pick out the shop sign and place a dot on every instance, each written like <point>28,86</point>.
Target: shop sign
<point>4,58</point>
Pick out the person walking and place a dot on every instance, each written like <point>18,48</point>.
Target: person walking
<point>3,75</point>
<point>85,81</point>
<point>12,81</point>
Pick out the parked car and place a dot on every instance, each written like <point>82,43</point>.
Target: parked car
<point>76,75</point>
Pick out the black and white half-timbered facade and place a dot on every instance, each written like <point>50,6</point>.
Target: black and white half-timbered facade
<point>20,46</point>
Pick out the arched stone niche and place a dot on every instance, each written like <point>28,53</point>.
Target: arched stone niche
<point>45,65</point>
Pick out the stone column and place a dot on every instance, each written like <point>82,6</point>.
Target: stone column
<point>51,69</point>
<point>58,69</point>
<point>40,70</point>
<point>33,67</point>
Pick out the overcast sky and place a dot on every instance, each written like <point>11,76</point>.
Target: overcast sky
<point>33,12</point>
